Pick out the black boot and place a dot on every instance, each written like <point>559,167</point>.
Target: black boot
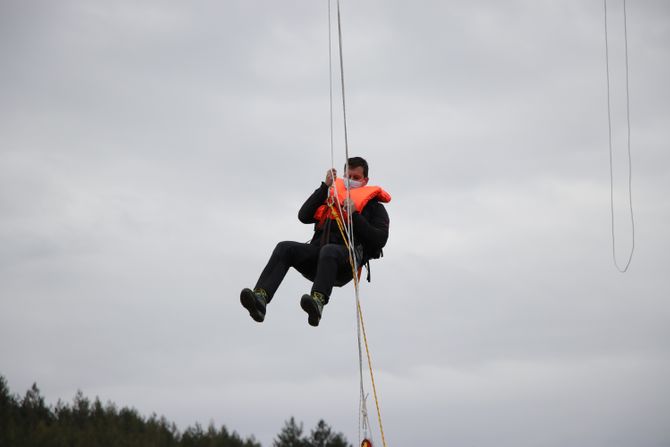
<point>255,302</point>
<point>313,305</point>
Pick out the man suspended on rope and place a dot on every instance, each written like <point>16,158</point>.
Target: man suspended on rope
<point>325,259</point>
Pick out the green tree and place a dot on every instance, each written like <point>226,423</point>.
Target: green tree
<point>30,422</point>
<point>323,436</point>
<point>33,406</point>
<point>8,415</point>
<point>290,435</point>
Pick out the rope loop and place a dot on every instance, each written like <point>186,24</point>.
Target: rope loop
<point>623,269</point>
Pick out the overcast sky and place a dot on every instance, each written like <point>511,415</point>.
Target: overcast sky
<point>153,153</point>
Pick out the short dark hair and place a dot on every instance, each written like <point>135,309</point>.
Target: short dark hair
<point>358,162</point>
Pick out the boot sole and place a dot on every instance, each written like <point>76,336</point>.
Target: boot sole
<point>248,300</point>
<point>307,304</point>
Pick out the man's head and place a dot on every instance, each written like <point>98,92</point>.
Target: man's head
<point>357,171</point>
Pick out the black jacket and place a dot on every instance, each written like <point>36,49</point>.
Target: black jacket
<point>371,226</point>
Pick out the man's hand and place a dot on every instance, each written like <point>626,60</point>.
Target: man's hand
<point>331,175</point>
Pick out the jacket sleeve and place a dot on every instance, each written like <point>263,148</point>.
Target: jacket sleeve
<point>372,231</point>
<point>313,202</point>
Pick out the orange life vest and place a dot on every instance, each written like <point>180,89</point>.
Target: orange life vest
<point>361,197</point>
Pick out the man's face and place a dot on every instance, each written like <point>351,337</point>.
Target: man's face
<point>357,174</point>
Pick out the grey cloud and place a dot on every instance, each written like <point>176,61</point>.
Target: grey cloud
<point>152,155</point>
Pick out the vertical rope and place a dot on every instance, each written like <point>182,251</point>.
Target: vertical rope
<point>344,105</point>
<point>362,411</point>
<point>611,155</point>
<point>349,241</point>
<point>344,115</point>
<point>367,352</point>
<point>349,223</point>
<point>330,88</point>
<point>361,323</point>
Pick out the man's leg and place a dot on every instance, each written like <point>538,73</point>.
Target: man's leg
<point>285,255</point>
<point>333,258</point>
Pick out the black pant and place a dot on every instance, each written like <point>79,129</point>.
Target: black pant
<point>326,266</point>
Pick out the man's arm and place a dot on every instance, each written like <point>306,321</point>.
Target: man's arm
<point>373,231</point>
<point>313,202</point>
<point>318,197</point>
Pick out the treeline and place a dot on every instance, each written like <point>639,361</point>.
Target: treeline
<point>28,422</point>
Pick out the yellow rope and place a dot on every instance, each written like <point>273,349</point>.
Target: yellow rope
<point>340,225</point>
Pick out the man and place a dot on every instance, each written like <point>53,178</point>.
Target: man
<point>325,259</point>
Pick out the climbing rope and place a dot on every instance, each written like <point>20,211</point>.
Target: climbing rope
<point>611,156</point>
<point>347,232</point>
<point>330,88</point>
<point>356,275</point>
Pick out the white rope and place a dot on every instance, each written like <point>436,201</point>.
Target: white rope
<point>350,233</point>
<point>330,88</point>
<point>611,156</point>
<point>349,227</point>
<point>367,432</point>
<point>363,420</point>
<point>362,412</point>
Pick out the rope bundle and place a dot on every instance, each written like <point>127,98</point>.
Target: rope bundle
<point>346,230</point>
